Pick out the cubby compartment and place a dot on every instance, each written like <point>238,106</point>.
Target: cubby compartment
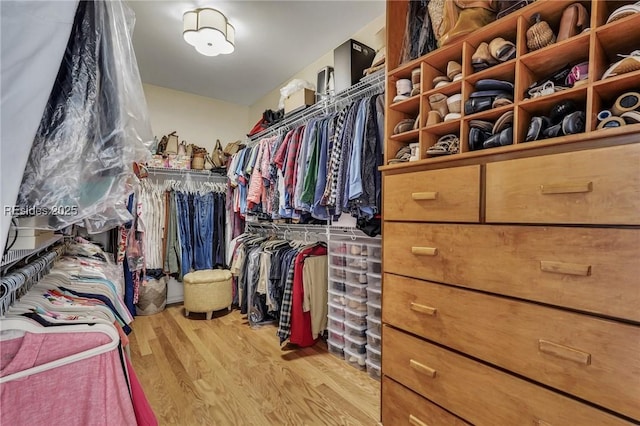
<point>356,290</point>
<point>410,106</point>
<point>440,144</point>
<point>335,324</point>
<point>437,68</point>
<point>356,249</point>
<point>497,50</point>
<point>552,14</point>
<point>355,344</point>
<point>606,10</point>
<point>555,108</point>
<point>618,38</point>
<point>551,65</point>
<point>616,104</point>
<point>374,249</point>
<point>337,297</point>
<point>480,129</point>
<point>355,359</point>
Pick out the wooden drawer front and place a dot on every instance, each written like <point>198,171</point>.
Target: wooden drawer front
<point>595,270</point>
<point>598,186</point>
<point>595,359</point>
<point>476,392</point>
<point>449,195</point>
<point>402,407</point>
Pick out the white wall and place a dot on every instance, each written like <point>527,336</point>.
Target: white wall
<point>197,119</point>
<point>367,35</point>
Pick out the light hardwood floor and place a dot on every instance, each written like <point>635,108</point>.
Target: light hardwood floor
<point>222,372</point>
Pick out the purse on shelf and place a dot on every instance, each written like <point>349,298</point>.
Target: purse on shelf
<point>232,148</point>
<point>218,157</point>
<point>462,17</point>
<point>172,143</point>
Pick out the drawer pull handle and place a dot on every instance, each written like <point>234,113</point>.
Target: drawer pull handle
<point>422,368</point>
<point>564,352</point>
<point>542,423</point>
<point>424,251</point>
<point>565,268</point>
<point>421,196</point>
<point>414,421</point>
<point>423,309</point>
<point>566,188</point>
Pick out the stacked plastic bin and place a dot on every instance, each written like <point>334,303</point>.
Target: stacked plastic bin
<point>336,297</point>
<point>354,276</point>
<point>374,309</point>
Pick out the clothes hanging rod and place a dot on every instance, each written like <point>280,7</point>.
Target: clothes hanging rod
<point>178,173</point>
<point>369,84</point>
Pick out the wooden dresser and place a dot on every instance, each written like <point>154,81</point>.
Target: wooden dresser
<point>511,285</point>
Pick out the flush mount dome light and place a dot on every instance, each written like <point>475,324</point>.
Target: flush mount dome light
<point>208,31</point>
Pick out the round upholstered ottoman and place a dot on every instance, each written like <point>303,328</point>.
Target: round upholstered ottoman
<point>207,291</point>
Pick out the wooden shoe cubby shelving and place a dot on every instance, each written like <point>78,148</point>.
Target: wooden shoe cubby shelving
<point>599,46</point>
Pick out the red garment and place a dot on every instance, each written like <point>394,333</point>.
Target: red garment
<point>86,392</point>
<point>141,406</point>
<point>301,333</point>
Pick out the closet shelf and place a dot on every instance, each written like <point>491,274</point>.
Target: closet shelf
<point>178,173</point>
<point>14,256</point>
<point>373,82</point>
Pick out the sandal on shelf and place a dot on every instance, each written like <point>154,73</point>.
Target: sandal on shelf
<point>446,145</point>
<point>501,49</point>
<point>631,117</point>
<point>403,155</point>
<point>628,63</point>
<point>505,120</point>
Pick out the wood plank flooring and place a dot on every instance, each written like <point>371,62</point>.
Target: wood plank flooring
<point>222,372</point>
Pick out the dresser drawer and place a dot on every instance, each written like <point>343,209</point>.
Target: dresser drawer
<point>589,269</point>
<point>448,195</point>
<point>598,186</point>
<point>403,407</point>
<point>594,359</point>
<point>476,392</point>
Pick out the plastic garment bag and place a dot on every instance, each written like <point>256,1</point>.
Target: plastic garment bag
<point>94,127</point>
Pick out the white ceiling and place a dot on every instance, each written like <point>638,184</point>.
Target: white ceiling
<point>274,40</point>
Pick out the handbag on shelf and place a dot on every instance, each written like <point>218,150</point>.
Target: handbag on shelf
<point>233,148</point>
<point>172,143</point>
<point>462,17</point>
<point>218,157</point>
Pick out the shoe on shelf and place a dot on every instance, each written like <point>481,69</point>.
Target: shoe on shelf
<point>624,11</point>
<point>446,145</point>
<point>441,80</point>
<point>536,128</point>
<point>628,101</point>
<point>502,50</point>
<point>438,102</point>
<point>631,117</point>
<point>482,59</point>
<point>453,69</point>
<point>574,20</point>
<point>505,120</point>
<point>404,126</point>
<point>628,63</point>
<point>403,155</point>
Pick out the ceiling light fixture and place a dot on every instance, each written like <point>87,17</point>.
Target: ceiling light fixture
<point>208,31</point>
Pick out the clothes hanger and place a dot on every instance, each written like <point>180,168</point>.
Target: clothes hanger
<point>28,326</point>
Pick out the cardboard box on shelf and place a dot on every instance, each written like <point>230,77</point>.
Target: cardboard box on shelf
<point>299,100</point>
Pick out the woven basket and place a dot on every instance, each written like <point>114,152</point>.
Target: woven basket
<point>152,297</point>
<point>540,34</point>
<point>197,162</point>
